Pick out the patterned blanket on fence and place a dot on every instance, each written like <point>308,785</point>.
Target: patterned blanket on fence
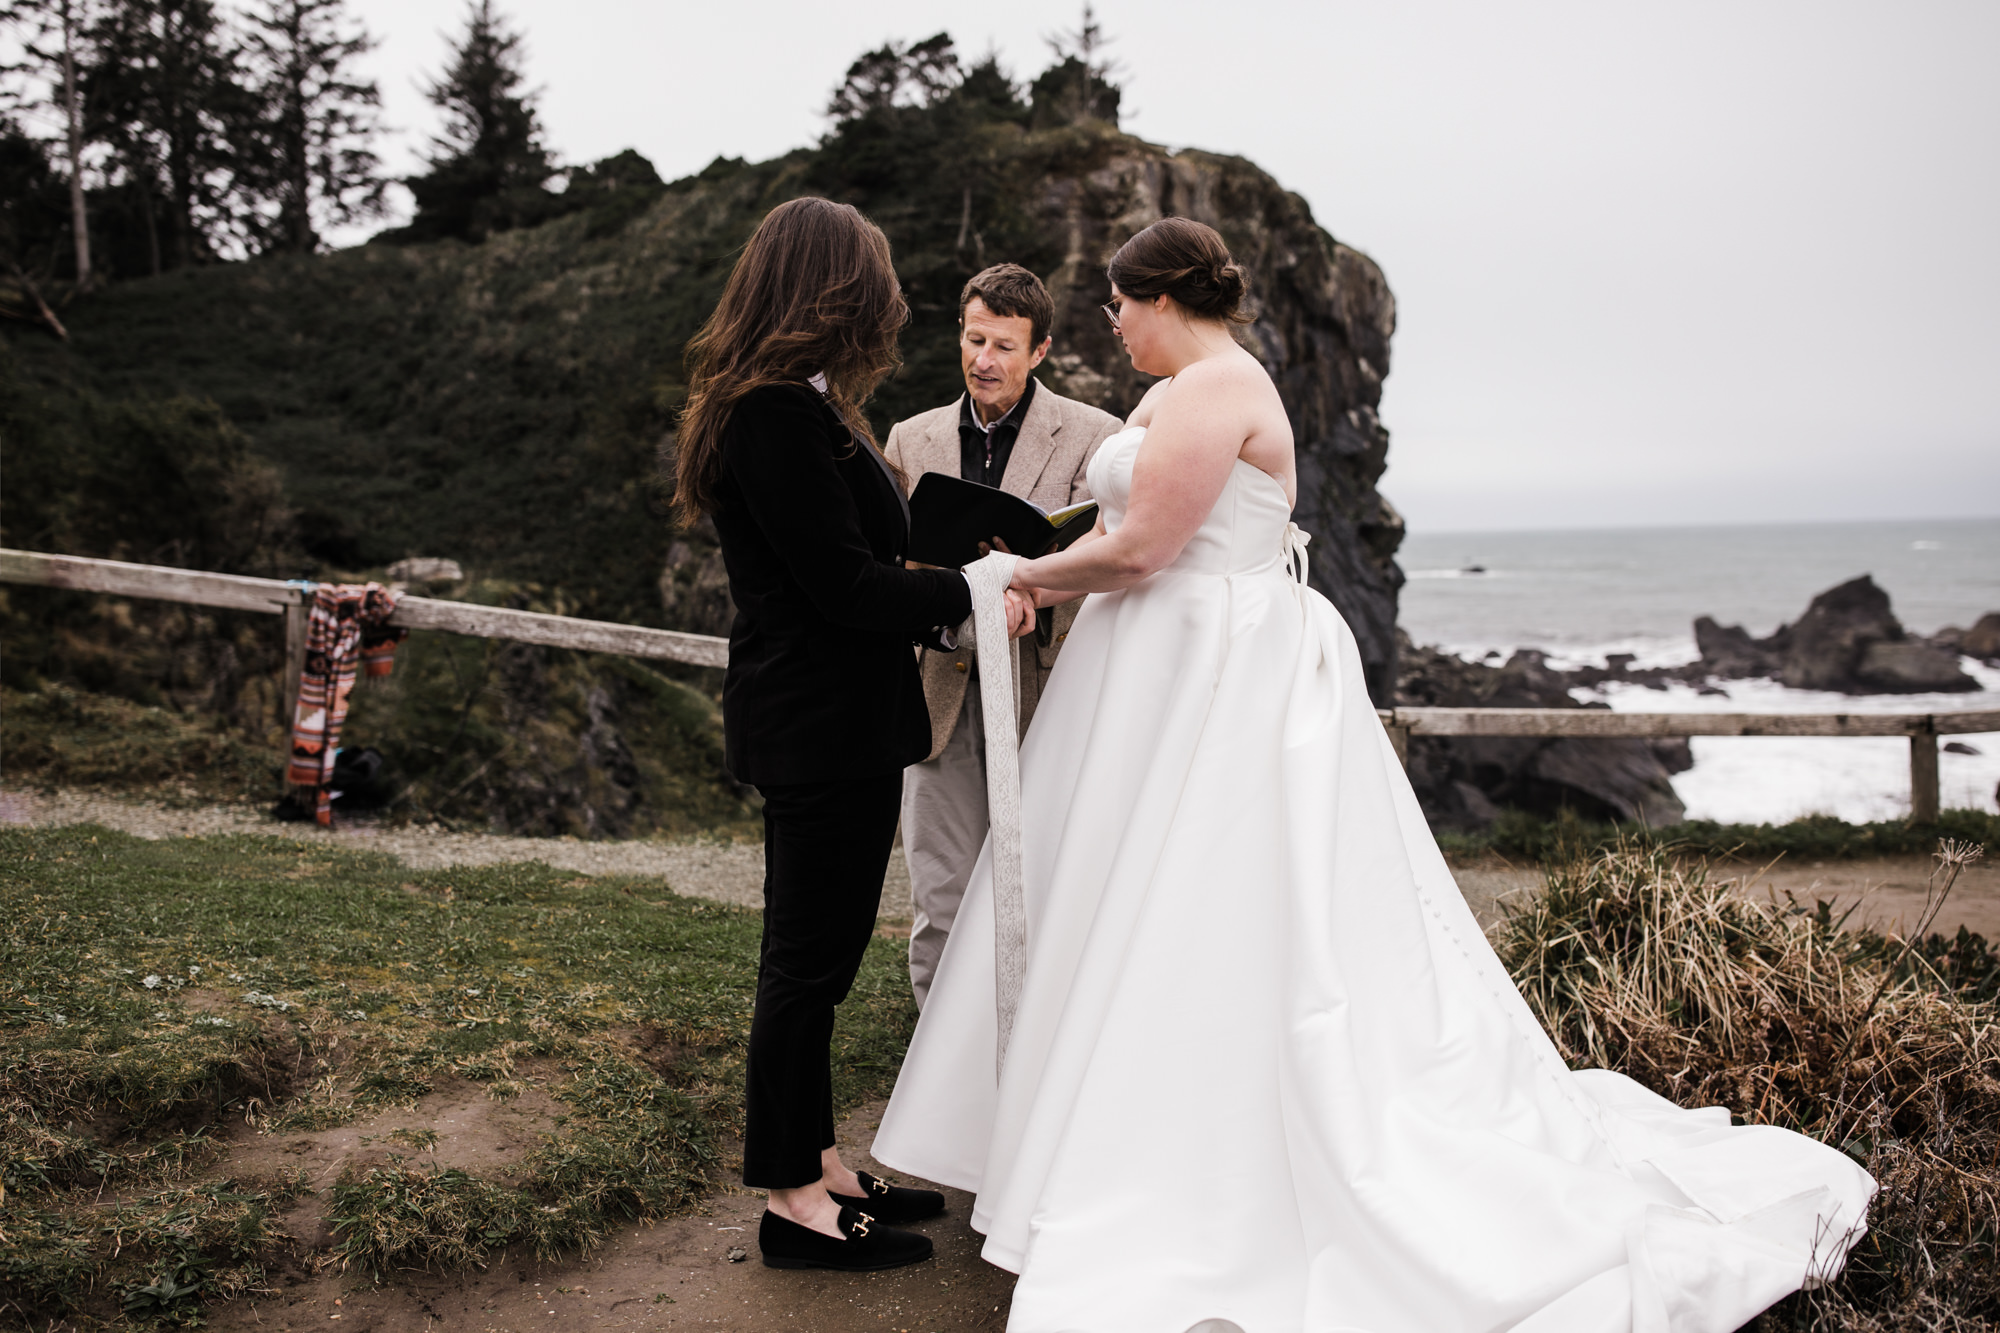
<point>346,627</point>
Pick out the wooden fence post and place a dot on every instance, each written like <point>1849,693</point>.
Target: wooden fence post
<point>1923,777</point>
<point>1399,734</point>
<point>295,662</point>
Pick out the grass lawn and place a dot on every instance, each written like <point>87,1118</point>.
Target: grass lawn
<point>155,995</point>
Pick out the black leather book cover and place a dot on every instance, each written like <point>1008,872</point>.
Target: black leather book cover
<point>950,516</point>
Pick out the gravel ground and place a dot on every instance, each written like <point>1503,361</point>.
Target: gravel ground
<point>730,872</point>
<point>1890,888</point>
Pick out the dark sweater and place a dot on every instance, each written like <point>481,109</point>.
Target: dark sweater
<point>822,683</point>
<point>983,455</point>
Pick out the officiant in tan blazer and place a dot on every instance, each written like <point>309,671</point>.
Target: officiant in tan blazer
<point>1005,430</point>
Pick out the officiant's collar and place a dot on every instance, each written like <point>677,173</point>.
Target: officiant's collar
<point>968,414</point>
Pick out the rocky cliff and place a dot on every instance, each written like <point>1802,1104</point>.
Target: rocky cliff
<point>1325,316</point>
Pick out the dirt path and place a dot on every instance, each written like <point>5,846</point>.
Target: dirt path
<point>1890,889</point>
<point>678,1274</point>
<point>1887,891</point>
<point>725,871</point>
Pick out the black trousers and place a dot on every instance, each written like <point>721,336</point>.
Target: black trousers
<point>826,847</point>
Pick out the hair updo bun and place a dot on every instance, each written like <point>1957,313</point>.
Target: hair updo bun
<point>1186,260</point>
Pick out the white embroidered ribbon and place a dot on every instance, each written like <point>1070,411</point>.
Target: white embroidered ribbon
<point>999,690</point>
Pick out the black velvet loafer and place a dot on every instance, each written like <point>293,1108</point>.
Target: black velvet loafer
<point>869,1245</point>
<point>898,1205</point>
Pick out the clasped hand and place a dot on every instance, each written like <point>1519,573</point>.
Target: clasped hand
<point>1020,605</point>
<point>1020,614</point>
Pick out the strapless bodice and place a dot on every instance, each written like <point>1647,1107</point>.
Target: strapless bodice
<point>1244,532</point>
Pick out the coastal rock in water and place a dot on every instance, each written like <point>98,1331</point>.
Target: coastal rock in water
<point>1824,649</point>
<point>1848,640</point>
<point>1463,781</point>
<point>1673,752</point>
<point>1983,639</point>
<point>1729,651</point>
<point>1625,777</point>
<point>1910,667</point>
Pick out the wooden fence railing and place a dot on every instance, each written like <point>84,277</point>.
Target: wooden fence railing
<point>1923,729</point>
<point>277,597</point>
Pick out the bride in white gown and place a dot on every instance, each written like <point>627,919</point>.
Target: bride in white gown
<point>1265,1072</point>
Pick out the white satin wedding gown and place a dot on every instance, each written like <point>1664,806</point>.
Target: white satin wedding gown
<point>1266,1070</point>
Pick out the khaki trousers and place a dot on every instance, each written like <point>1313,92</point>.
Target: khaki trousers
<point>944,825</point>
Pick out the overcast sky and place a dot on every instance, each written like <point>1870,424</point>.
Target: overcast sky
<point>1656,263</point>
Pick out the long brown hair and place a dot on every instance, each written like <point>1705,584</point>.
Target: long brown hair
<point>813,291</point>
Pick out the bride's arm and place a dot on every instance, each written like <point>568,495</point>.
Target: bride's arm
<point>1045,597</point>
<point>1196,433</point>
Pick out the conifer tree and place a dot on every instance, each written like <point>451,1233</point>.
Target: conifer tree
<point>489,166</point>
<point>166,90</point>
<point>70,14</point>
<point>50,33</point>
<point>1078,87</point>
<point>317,165</point>
<point>922,74</point>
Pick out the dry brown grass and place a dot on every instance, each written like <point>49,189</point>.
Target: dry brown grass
<point>1636,961</point>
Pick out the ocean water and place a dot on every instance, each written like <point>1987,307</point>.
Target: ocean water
<point>1580,595</point>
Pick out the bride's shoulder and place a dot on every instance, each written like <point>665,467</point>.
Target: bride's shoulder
<point>1225,384</point>
<point>1236,372</point>
<point>1149,403</point>
<point>1233,396</point>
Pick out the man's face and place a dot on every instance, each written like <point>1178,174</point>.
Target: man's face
<point>996,355</point>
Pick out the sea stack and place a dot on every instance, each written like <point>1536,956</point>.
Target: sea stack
<point>1848,641</point>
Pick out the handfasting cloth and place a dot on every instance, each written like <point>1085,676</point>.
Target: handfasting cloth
<point>999,692</point>
<point>346,627</point>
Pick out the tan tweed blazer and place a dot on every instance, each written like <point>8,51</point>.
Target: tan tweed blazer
<point>1058,437</point>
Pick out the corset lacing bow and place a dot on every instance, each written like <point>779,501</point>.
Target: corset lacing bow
<point>1294,545</point>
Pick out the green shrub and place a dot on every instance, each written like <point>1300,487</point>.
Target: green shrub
<point>1816,837</point>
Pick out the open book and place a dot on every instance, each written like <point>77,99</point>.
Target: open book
<point>950,516</point>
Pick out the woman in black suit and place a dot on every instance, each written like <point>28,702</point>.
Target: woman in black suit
<point>822,707</point>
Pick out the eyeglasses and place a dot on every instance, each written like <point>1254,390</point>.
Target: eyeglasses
<point>1110,309</point>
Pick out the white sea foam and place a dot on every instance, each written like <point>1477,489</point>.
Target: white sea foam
<point>1646,650</point>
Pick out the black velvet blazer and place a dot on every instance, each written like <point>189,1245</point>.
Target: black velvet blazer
<point>822,683</point>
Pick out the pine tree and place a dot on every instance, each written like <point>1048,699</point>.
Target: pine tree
<point>31,226</point>
<point>896,75</point>
<point>50,32</point>
<point>317,165</point>
<point>489,167</point>
<point>166,90</point>
<point>1078,87</point>
<point>71,15</point>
